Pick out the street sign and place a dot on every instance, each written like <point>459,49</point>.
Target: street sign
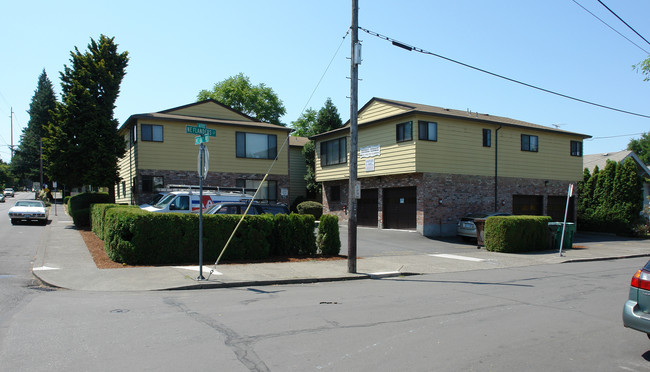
<point>200,130</point>
<point>201,139</point>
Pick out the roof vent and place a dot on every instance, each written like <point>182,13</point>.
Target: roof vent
<point>606,154</point>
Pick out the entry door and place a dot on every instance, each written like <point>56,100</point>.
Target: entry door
<point>400,208</point>
<point>367,208</point>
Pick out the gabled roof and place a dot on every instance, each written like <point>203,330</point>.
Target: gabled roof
<point>591,161</point>
<point>208,112</point>
<point>408,108</point>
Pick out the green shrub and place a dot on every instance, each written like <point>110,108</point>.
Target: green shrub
<point>516,233</point>
<point>310,207</point>
<point>98,215</point>
<point>329,240</point>
<point>79,206</point>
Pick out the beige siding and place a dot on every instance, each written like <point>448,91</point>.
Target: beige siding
<point>330,172</point>
<point>378,110</point>
<point>209,110</point>
<point>178,151</point>
<point>394,158</point>
<point>297,172</point>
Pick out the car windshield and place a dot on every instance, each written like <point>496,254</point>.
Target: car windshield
<point>162,203</point>
<point>28,204</point>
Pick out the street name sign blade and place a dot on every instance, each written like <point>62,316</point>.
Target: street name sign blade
<point>200,131</point>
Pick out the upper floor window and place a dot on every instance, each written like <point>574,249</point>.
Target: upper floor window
<point>529,143</point>
<point>487,137</point>
<point>404,132</point>
<point>576,148</point>
<point>428,131</point>
<point>256,146</point>
<point>152,133</point>
<point>334,152</point>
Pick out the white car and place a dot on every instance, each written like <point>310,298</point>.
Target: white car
<point>29,210</point>
<point>9,192</point>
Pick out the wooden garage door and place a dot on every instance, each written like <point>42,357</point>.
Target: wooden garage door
<point>400,208</point>
<point>367,208</point>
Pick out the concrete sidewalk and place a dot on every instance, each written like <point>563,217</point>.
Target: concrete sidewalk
<point>63,260</point>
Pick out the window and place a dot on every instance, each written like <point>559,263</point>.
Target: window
<point>268,191</point>
<point>256,146</point>
<point>404,132</point>
<point>152,183</point>
<point>152,133</point>
<point>576,148</point>
<point>335,193</point>
<point>529,143</point>
<point>123,189</point>
<point>487,137</point>
<point>134,134</point>
<point>427,131</point>
<point>334,152</point>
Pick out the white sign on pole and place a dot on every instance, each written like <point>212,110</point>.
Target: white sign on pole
<point>357,190</point>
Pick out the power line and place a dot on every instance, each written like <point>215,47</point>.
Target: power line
<point>620,135</point>
<point>419,50</point>
<point>613,29</point>
<point>324,72</point>
<point>621,19</point>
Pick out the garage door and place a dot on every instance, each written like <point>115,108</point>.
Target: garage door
<point>367,208</point>
<point>557,204</point>
<point>400,208</point>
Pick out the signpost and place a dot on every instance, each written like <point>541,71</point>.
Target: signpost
<point>204,135</point>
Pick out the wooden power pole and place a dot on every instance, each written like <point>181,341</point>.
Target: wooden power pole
<point>354,93</point>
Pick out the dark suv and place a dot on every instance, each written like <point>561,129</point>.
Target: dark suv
<point>240,208</point>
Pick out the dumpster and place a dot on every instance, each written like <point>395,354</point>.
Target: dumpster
<point>569,232</point>
<point>553,234</point>
<point>480,232</point>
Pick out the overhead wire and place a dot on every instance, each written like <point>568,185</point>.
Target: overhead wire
<point>612,28</point>
<point>419,50</point>
<point>621,19</point>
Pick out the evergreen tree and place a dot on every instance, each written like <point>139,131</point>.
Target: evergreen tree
<point>83,144</point>
<point>641,147</point>
<point>25,164</point>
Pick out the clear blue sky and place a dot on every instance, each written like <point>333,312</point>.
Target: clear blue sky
<point>179,48</point>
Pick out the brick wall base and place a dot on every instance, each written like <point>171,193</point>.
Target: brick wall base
<point>442,199</point>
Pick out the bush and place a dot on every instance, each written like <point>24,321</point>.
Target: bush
<point>311,207</point>
<point>79,206</point>
<point>98,216</point>
<point>516,233</point>
<point>329,240</point>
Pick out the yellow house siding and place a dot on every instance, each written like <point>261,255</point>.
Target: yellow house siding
<point>178,151</point>
<point>378,110</point>
<point>395,157</point>
<point>459,150</point>
<point>331,172</point>
<point>297,172</point>
<point>209,110</point>
<point>126,171</point>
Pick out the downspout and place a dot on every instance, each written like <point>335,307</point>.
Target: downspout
<point>496,167</point>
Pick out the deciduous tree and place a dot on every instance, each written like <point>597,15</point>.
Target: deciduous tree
<point>257,101</point>
<point>641,147</point>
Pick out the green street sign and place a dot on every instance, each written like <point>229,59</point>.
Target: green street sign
<point>201,130</point>
<point>201,139</point>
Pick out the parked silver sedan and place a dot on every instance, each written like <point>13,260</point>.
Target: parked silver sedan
<point>466,227</point>
<point>29,210</point>
<point>636,312</point>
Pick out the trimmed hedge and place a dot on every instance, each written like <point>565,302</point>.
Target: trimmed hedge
<point>329,239</point>
<point>310,207</point>
<point>79,206</point>
<point>516,233</point>
<point>98,214</point>
<point>134,236</point>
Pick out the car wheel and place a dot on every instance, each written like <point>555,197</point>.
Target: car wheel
<point>43,222</point>
<point>648,334</point>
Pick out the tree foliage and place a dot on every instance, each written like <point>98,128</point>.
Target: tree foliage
<point>644,68</point>
<point>6,178</point>
<point>612,199</point>
<point>26,162</point>
<point>311,123</point>
<point>83,145</point>
<point>257,101</point>
<point>641,147</point>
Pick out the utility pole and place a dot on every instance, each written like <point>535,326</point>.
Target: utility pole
<point>11,156</point>
<point>354,97</point>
